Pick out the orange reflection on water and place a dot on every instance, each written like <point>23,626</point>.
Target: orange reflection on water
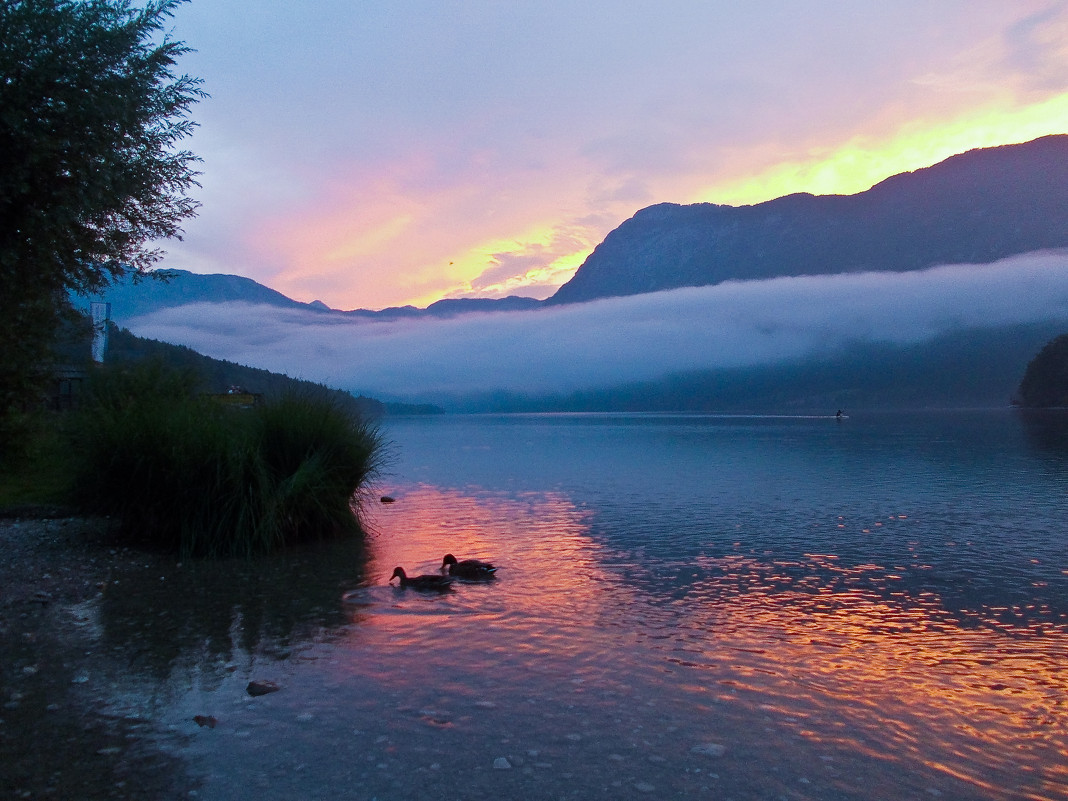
<point>548,571</point>
<point>968,699</point>
<point>540,532</point>
<point>848,658</point>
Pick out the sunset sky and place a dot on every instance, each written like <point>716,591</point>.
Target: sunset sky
<point>378,154</point>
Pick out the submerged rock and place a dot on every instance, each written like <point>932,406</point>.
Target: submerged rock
<point>261,687</point>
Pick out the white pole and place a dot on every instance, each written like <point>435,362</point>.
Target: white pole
<point>101,313</point>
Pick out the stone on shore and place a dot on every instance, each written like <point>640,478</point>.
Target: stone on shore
<point>261,687</point>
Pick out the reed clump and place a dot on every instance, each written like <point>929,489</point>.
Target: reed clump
<point>179,470</point>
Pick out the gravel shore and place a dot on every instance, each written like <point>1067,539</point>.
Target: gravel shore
<point>56,742</point>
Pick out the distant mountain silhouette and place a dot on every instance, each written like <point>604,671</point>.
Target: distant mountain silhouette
<point>452,306</point>
<point>975,207</point>
<point>131,298</point>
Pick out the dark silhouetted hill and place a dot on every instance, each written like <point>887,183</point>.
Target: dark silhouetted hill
<point>976,207</point>
<point>218,375</point>
<point>1045,382</point>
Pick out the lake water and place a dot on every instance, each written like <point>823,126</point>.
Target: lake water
<point>686,607</point>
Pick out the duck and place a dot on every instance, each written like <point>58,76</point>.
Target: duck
<point>425,582</point>
<point>467,568</point>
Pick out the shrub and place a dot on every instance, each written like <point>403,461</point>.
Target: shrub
<point>179,470</point>
<point>36,475</point>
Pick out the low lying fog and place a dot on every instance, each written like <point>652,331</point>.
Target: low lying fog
<point>616,340</point>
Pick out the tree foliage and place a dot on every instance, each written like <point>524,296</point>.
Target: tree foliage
<point>1045,381</point>
<point>92,112</point>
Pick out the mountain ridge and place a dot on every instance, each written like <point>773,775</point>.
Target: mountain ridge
<point>135,296</point>
<point>974,207</point>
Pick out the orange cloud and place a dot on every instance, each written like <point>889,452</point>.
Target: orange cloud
<point>407,235</point>
<point>852,166</point>
<point>863,161</point>
<point>534,263</point>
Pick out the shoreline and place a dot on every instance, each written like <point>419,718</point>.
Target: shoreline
<point>57,739</point>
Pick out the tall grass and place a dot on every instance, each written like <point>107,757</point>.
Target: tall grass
<point>37,474</point>
<point>184,472</point>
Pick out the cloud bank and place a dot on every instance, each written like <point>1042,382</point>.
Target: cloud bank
<point>617,340</point>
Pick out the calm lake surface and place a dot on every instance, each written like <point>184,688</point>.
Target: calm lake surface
<point>686,607</point>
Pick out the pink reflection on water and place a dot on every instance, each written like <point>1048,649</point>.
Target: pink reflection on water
<point>836,658</point>
<point>518,534</point>
<point>546,583</point>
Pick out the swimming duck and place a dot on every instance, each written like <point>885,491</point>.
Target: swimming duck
<point>467,568</point>
<point>425,582</point>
